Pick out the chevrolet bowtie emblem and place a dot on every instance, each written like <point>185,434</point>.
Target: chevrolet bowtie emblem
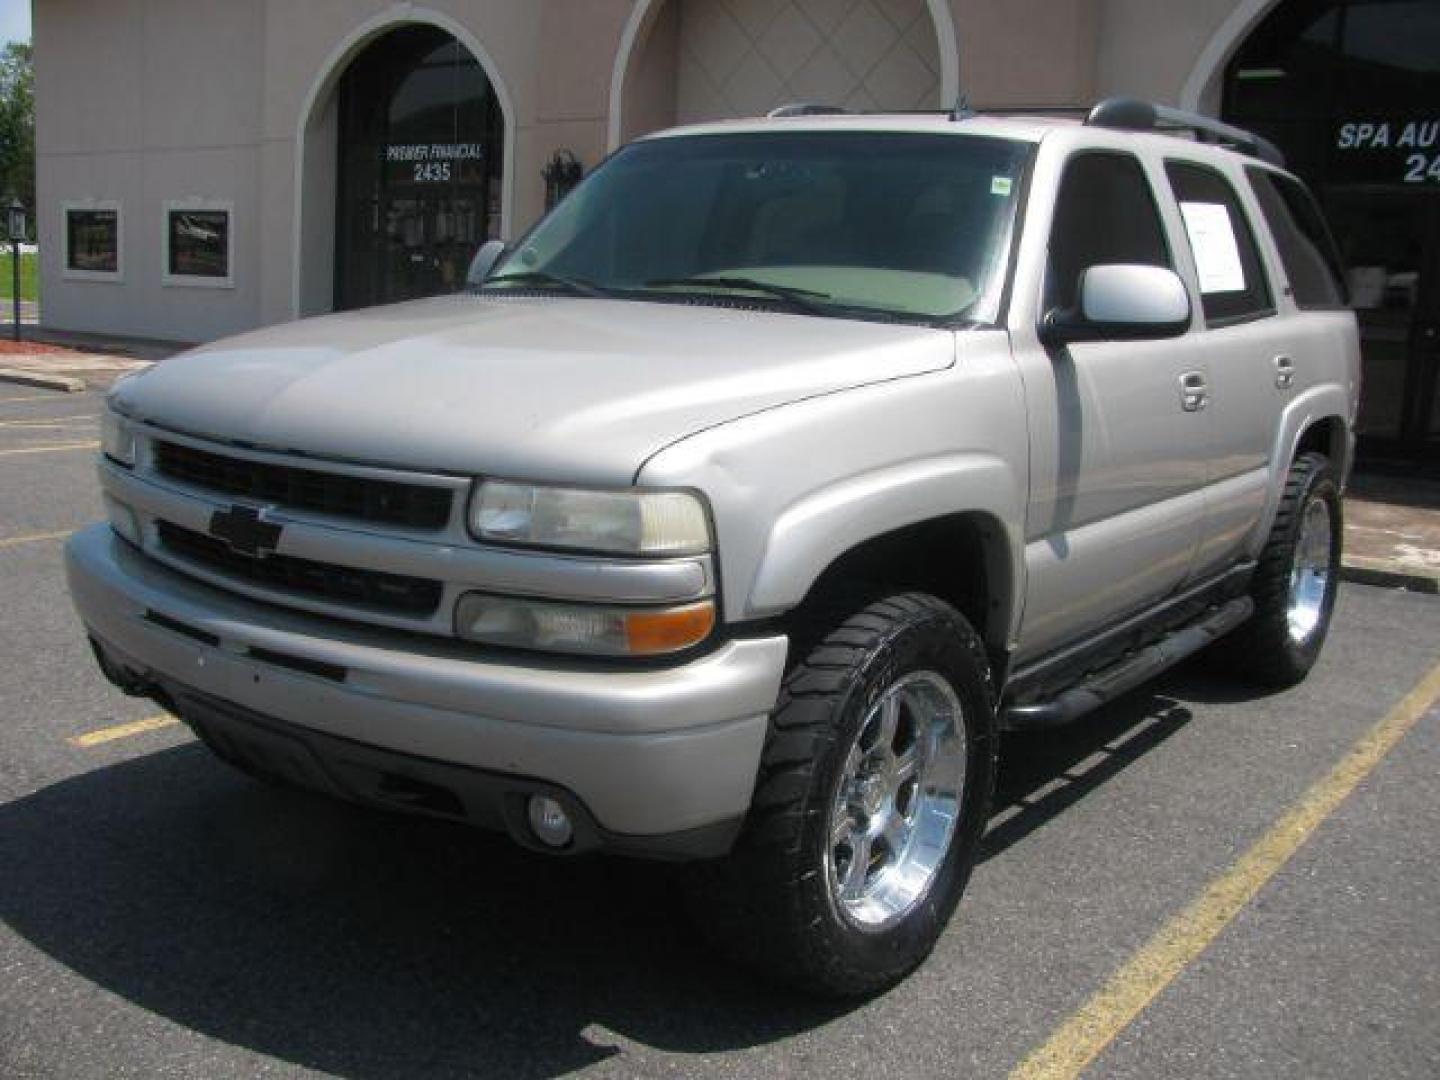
<point>245,531</point>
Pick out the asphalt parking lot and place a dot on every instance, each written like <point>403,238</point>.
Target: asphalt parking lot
<point>164,916</point>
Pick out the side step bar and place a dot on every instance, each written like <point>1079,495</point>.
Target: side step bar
<point>1104,686</point>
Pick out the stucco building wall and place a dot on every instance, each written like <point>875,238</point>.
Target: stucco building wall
<point>141,102</point>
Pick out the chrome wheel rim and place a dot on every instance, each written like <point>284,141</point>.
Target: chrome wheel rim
<point>1309,572</point>
<point>897,801</point>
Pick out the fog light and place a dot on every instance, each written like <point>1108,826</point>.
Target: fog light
<point>550,822</point>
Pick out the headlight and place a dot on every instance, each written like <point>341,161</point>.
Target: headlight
<point>582,628</point>
<point>117,438</point>
<point>628,522</point>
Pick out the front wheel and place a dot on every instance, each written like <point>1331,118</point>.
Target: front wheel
<point>1295,580</point>
<point>871,800</point>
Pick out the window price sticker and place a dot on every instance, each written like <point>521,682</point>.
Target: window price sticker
<point>1212,239</point>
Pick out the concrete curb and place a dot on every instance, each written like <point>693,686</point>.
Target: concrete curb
<point>67,383</point>
<point>1389,574</point>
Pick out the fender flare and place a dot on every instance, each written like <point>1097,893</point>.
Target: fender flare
<point>1316,405</point>
<point>811,533</point>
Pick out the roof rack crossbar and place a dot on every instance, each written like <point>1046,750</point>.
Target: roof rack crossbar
<point>1131,114</point>
<point>805,108</point>
<point>1033,110</point>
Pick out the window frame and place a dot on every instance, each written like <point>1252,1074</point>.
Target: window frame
<point>1270,308</point>
<point>70,273</point>
<point>197,281</point>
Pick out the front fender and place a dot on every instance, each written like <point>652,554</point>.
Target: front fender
<point>822,526</point>
<point>795,488</point>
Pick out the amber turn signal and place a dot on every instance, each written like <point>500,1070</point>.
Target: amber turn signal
<point>653,633</point>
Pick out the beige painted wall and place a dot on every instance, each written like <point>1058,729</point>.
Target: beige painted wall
<point>142,101</point>
<point>1027,52</point>
<point>129,115</point>
<point>1150,49</point>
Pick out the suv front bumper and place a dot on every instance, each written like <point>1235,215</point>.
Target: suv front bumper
<point>656,761</point>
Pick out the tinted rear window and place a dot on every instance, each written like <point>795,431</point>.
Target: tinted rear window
<point>1311,260</point>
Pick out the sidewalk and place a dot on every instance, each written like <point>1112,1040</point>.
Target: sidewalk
<point>1392,531</point>
<point>1392,525</point>
<point>57,367</point>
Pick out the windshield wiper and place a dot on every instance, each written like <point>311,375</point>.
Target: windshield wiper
<point>543,278</point>
<point>800,299</point>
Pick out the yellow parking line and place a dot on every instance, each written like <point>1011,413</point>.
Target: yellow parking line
<point>35,397</point>
<point>54,421</point>
<point>47,449</point>
<point>123,731</point>
<point>1085,1035</point>
<point>33,538</point>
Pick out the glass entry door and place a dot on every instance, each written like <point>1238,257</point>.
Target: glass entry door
<point>1391,243</point>
<point>421,139</point>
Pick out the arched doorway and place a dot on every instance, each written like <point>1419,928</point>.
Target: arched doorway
<point>318,213</point>
<point>1350,91</point>
<point>420,152</point>
<point>687,61</point>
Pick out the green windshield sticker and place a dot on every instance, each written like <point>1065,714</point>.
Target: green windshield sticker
<point>1000,185</point>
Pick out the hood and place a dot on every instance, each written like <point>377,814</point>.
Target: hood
<point>563,389</point>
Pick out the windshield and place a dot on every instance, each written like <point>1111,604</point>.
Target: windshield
<point>856,224</point>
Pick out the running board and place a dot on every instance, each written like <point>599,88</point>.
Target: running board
<point>1104,686</point>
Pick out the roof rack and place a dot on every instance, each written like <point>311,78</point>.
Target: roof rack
<point>1131,114</point>
<point>805,108</point>
<point>1116,113</point>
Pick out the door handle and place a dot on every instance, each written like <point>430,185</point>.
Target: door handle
<point>1193,391</point>
<point>1284,372</point>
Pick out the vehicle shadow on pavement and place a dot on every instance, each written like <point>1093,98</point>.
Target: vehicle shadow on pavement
<point>1042,773</point>
<point>371,945</point>
<point>361,943</point>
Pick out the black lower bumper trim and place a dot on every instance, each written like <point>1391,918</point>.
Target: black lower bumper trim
<point>364,773</point>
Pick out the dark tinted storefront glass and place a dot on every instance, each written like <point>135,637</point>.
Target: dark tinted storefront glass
<point>92,239</point>
<point>199,243</point>
<point>420,156</point>
<point>1350,91</point>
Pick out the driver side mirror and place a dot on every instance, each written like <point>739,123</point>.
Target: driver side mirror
<point>483,262</point>
<point>1121,302</point>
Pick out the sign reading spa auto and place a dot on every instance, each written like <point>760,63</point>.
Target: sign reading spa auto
<point>1388,151</point>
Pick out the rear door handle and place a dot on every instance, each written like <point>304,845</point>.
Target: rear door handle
<point>1193,391</point>
<point>1284,372</point>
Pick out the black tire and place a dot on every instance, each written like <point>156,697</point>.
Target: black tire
<point>769,905</point>
<point>1265,649</point>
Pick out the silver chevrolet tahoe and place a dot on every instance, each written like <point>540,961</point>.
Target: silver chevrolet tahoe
<point>734,510</point>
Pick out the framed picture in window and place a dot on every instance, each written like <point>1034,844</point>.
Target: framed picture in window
<point>197,247</point>
<point>90,241</point>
